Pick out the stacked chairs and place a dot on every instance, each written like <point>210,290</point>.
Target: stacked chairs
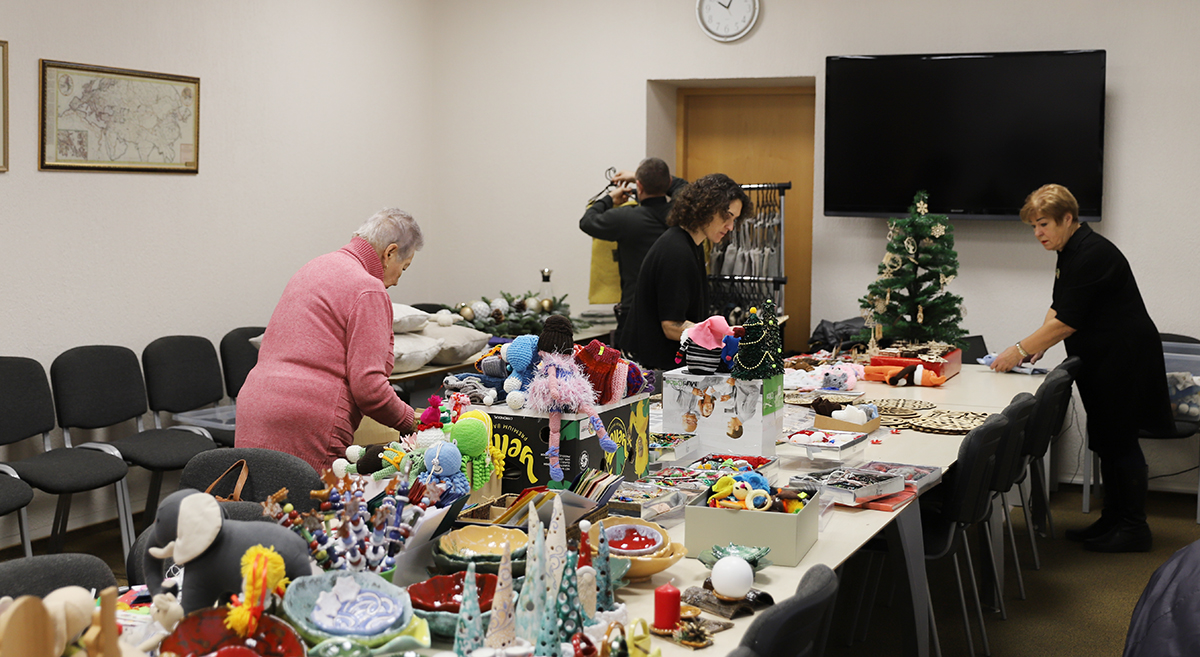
<point>27,409</point>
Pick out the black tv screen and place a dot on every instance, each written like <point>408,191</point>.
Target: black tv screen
<point>979,132</point>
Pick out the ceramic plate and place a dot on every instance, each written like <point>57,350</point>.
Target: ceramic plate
<point>708,559</point>
<point>484,541</point>
<point>302,594</point>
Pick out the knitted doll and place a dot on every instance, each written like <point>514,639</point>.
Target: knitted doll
<point>522,357</point>
<point>471,434</point>
<point>443,465</point>
<point>379,461</point>
<point>558,387</point>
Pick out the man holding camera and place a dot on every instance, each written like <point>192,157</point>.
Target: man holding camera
<point>634,227</point>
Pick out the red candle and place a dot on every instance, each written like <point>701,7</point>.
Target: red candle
<point>666,607</point>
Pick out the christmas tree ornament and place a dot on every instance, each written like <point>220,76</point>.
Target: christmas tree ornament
<point>920,315</point>
<point>468,635</point>
<point>502,629</point>
<point>938,230</point>
<point>922,208</point>
<point>910,245</point>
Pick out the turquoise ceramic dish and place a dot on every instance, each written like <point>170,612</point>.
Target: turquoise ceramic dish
<point>301,598</point>
<point>443,623</point>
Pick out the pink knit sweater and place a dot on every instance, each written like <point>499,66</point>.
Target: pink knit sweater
<point>324,361</point>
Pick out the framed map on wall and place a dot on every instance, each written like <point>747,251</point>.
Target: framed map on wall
<point>109,119</point>
<point>3,106</point>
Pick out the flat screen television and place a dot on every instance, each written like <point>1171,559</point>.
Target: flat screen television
<point>977,131</point>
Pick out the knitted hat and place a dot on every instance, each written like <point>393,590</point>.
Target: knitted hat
<point>598,360</point>
<point>634,381</point>
<point>557,335</point>
<point>700,360</point>
<point>709,333</point>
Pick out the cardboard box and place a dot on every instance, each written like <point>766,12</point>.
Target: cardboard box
<point>789,535</point>
<point>712,406</point>
<point>826,422</point>
<point>525,436</point>
<point>952,366</point>
<point>575,509</point>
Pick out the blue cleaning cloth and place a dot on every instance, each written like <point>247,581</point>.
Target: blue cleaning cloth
<point>1019,369</point>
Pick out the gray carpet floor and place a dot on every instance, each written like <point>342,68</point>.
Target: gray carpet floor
<point>1079,603</point>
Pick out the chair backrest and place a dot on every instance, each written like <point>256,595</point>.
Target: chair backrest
<point>1009,464</point>
<point>1052,396</point>
<point>41,574</point>
<point>182,373</point>
<point>967,500</point>
<point>269,471</point>
<point>798,625</point>
<point>975,349</point>
<point>1071,366</point>
<point>26,404</point>
<point>1177,337</point>
<point>238,356</point>
<point>97,386</point>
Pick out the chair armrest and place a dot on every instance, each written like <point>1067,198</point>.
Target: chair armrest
<point>102,447</point>
<point>7,469</point>
<point>197,430</point>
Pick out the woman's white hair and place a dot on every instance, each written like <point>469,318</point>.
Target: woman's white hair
<point>392,226</point>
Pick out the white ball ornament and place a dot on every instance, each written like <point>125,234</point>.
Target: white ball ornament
<point>499,303</point>
<point>533,305</point>
<point>732,577</point>
<point>481,309</point>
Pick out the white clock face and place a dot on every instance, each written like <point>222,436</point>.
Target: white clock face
<point>726,20</point>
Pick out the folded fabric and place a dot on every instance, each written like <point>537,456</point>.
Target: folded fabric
<point>1019,369</point>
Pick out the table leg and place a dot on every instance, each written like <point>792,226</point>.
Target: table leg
<point>906,549</point>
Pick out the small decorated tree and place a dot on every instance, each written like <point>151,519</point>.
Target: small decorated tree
<point>570,611</point>
<point>604,594</point>
<point>469,633</point>
<point>760,353</point>
<point>908,300</point>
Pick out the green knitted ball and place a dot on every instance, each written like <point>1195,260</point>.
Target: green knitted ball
<point>471,435</point>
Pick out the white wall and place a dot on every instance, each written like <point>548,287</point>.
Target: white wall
<point>493,123</point>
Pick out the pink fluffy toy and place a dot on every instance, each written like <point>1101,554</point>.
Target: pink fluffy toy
<point>559,387</point>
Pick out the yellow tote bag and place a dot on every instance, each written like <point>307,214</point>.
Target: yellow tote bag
<point>605,283</point>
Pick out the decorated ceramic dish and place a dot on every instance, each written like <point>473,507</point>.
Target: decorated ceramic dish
<point>641,568</point>
<point>203,633</point>
<point>750,553</point>
<point>478,542</point>
<point>443,623</point>
<point>630,540</point>
<point>452,563</point>
<point>594,534</point>
<point>444,592</point>
<point>708,559</point>
<point>306,593</point>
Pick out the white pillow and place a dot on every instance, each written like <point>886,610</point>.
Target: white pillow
<point>413,351</point>
<point>458,342</point>
<point>406,319</point>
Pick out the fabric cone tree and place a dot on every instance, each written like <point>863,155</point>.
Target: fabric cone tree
<point>908,300</point>
<point>760,353</point>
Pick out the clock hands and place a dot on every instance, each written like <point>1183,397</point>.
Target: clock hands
<point>725,5</point>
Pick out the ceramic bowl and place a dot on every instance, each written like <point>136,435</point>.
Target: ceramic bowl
<point>708,558</point>
<point>641,568</point>
<point>594,534</point>
<point>630,540</point>
<point>302,594</point>
<point>203,632</point>
<point>477,542</point>
<point>449,563</point>
<point>443,623</point>
<point>750,553</point>
<point>444,592</point>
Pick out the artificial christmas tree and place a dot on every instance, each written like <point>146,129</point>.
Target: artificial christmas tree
<point>908,300</point>
<point>760,352</point>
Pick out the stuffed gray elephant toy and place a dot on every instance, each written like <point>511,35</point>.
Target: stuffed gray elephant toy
<point>191,528</point>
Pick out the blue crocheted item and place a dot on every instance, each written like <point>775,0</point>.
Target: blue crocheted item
<point>756,480</point>
<point>522,355</point>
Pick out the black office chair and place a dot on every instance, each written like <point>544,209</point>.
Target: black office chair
<point>1181,428</point>
<point>1177,337</point>
<point>1053,398</point>
<point>101,386</point>
<point>974,349</point>
<point>44,573</point>
<point>27,409</point>
<point>267,472</point>
<point>239,356</point>
<point>183,374</point>
<point>15,495</point>
<point>965,501</point>
<point>1009,466</point>
<point>799,625</point>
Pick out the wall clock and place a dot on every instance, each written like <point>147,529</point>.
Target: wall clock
<point>726,20</point>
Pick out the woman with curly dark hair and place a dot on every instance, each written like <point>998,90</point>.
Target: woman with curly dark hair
<point>673,284</point>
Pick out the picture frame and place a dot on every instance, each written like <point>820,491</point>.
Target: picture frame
<point>3,106</point>
<point>97,118</point>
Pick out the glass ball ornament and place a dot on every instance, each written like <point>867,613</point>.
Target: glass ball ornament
<point>467,313</point>
<point>533,304</point>
<point>547,305</point>
<point>732,577</point>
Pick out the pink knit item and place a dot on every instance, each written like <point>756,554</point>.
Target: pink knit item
<point>571,390</point>
<point>617,384</point>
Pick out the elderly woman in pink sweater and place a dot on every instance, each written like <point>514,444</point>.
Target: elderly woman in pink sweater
<point>327,352</point>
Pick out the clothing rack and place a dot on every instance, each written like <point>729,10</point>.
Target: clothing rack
<point>747,267</point>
